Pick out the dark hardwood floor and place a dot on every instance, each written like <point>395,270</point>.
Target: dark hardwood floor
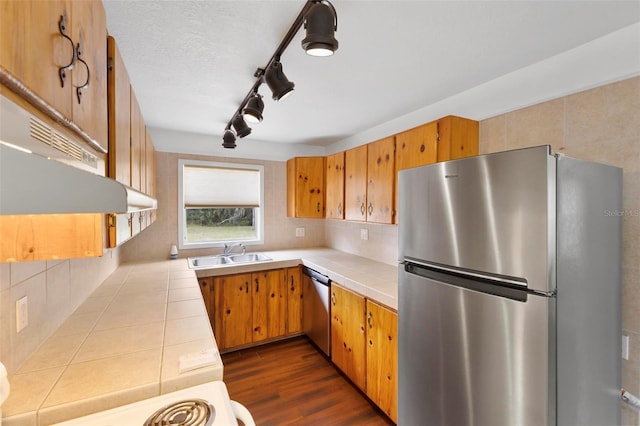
<point>291,383</point>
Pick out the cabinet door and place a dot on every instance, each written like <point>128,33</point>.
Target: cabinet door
<point>259,300</point>
<point>294,300</point>
<point>381,177</point>
<point>233,310</point>
<point>136,138</point>
<point>277,303</point>
<point>305,187</point>
<point>119,100</point>
<point>89,29</point>
<point>335,186</point>
<point>458,138</point>
<point>417,147</point>
<point>382,356</point>
<point>206,288</point>
<point>32,48</point>
<point>355,172</point>
<point>348,334</point>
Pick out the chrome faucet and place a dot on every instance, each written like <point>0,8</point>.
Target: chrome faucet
<point>228,248</point>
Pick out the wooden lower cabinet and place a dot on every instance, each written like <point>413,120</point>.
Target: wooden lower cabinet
<point>364,346</point>
<point>348,334</point>
<point>382,358</point>
<point>254,307</point>
<point>294,300</point>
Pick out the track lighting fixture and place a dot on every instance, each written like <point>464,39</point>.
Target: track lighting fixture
<point>252,112</point>
<point>241,127</point>
<point>229,139</point>
<point>280,86</point>
<point>320,21</point>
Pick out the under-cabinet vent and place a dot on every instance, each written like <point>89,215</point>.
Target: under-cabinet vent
<point>46,134</point>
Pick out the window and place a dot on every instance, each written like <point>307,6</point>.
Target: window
<point>219,203</point>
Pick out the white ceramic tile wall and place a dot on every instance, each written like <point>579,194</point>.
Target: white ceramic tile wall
<point>602,125</point>
<point>54,289</point>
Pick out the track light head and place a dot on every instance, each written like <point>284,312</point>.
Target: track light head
<point>280,86</point>
<point>320,22</point>
<point>240,126</point>
<point>229,139</point>
<point>252,112</point>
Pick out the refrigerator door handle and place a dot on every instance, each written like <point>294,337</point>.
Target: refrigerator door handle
<point>502,279</point>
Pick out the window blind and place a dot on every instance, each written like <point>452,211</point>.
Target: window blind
<point>220,187</point>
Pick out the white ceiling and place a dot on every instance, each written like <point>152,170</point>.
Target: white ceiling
<point>192,62</point>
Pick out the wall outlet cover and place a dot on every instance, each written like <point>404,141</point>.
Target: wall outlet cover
<point>22,314</point>
<point>364,234</point>
<point>299,232</point>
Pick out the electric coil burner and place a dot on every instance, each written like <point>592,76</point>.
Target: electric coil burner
<point>207,404</point>
<point>191,412</point>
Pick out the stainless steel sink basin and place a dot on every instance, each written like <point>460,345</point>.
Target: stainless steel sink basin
<point>209,261</point>
<point>219,260</point>
<point>249,257</point>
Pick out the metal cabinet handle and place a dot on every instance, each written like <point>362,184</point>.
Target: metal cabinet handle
<point>292,286</point>
<point>62,71</point>
<point>333,298</point>
<point>370,209</point>
<point>86,83</point>
<point>318,207</point>
<point>246,286</point>
<point>369,319</point>
<point>362,209</point>
<point>257,281</point>
<point>339,209</point>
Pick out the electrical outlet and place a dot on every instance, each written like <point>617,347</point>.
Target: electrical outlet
<point>364,234</point>
<point>22,314</point>
<point>625,347</point>
<point>299,232</point>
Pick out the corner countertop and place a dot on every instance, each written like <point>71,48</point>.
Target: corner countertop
<point>121,345</point>
<point>124,342</point>
<point>375,280</point>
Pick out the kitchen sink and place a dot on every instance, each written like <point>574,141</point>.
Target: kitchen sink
<point>209,261</point>
<point>249,257</point>
<point>220,260</point>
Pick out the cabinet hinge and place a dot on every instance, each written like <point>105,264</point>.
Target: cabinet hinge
<point>437,132</point>
<point>111,219</point>
<point>109,63</point>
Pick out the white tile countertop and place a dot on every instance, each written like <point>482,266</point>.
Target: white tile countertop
<point>376,280</point>
<point>124,342</point>
<point>122,345</point>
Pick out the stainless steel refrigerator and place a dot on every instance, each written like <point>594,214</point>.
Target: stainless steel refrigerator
<point>510,291</point>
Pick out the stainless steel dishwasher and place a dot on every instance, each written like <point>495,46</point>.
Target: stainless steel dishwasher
<point>316,318</point>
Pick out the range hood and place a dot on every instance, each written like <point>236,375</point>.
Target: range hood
<point>45,172</point>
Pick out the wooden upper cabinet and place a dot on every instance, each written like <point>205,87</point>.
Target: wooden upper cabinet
<point>305,187</point>
<point>137,138</point>
<point>355,190</point>
<point>381,176</point>
<point>335,186</point>
<point>33,50</point>
<point>89,30</point>
<point>417,147</point>
<point>119,107</point>
<point>458,138</point>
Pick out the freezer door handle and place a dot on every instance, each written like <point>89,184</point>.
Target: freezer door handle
<point>473,282</point>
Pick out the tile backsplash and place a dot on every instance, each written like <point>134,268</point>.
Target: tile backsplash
<point>54,289</point>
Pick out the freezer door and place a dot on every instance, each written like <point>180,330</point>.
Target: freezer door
<point>470,358</point>
<point>492,213</point>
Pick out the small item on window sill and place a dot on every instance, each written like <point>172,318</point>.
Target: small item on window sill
<point>173,253</point>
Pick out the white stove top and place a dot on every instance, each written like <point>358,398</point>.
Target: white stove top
<point>215,393</point>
